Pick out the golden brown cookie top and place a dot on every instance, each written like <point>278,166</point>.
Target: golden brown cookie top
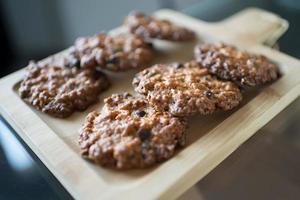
<point>151,27</point>
<point>185,89</point>
<point>59,91</point>
<point>129,133</point>
<point>229,63</point>
<point>113,52</point>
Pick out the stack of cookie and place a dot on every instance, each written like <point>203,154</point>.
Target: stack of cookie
<point>137,131</point>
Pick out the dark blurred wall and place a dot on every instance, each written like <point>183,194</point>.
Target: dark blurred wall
<point>6,55</point>
<point>215,10</point>
<point>37,28</point>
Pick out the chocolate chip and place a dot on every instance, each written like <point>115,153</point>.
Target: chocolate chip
<point>149,44</point>
<point>74,63</point>
<point>208,93</point>
<point>112,59</point>
<point>144,134</point>
<point>177,65</point>
<point>72,60</point>
<point>140,113</point>
<point>127,94</point>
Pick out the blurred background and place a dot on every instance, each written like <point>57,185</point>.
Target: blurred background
<point>34,29</point>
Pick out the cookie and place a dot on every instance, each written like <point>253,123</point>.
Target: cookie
<point>112,52</point>
<point>229,63</point>
<point>185,89</point>
<point>129,133</point>
<point>151,27</point>
<point>59,91</point>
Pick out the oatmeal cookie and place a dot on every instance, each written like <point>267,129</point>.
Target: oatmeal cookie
<point>129,133</point>
<point>113,52</point>
<point>229,63</point>
<point>151,27</point>
<point>185,89</point>
<point>59,91</point>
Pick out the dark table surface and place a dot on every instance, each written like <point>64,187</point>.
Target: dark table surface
<point>265,167</point>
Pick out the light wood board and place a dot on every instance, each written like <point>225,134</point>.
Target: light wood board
<point>210,138</point>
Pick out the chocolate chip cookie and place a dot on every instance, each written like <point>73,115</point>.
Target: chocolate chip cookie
<point>229,63</point>
<point>59,91</point>
<point>129,133</point>
<point>112,52</point>
<point>151,27</point>
<point>185,89</point>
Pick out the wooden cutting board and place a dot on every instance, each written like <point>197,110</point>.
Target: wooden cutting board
<point>210,138</point>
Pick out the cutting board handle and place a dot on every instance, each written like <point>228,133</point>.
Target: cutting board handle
<point>256,26</point>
